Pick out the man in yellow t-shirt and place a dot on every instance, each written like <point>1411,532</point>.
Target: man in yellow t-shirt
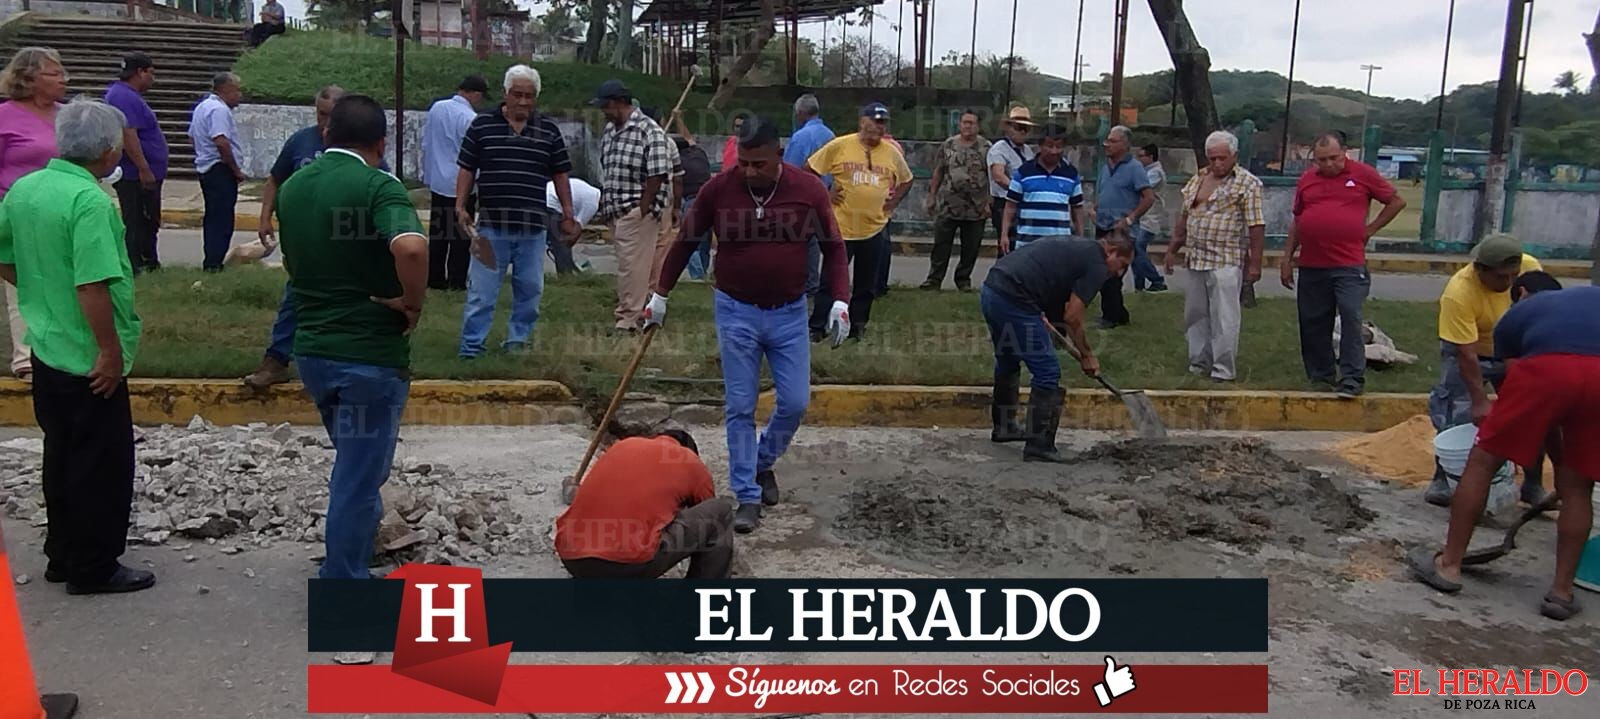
<point>1472,303</point>
<point>870,178</point>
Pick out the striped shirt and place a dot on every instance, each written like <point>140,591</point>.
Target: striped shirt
<point>1218,228</point>
<point>513,168</point>
<point>1045,198</point>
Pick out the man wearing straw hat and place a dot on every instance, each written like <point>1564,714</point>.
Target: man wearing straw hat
<point>1005,157</point>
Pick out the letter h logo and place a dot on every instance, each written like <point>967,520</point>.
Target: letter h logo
<point>463,662</point>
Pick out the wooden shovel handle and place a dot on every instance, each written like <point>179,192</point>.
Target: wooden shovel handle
<point>616,400</point>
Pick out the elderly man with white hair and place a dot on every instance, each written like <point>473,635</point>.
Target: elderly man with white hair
<point>61,245</point>
<point>510,153</point>
<point>1221,214</point>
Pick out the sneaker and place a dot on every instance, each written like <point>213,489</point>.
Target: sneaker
<point>270,372</point>
<point>769,487</point>
<point>929,285</point>
<point>747,518</point>
<point>514,347</point>
<point>960,287</point>
<point>1157,288</point>
<point>1106,324</point>
<point>1349,389</point>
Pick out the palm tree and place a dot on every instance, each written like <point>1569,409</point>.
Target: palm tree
<point>1569,82</point>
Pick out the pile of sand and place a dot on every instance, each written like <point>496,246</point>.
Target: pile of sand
<point>1402,453</point>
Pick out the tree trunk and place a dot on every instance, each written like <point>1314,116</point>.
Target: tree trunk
<point>765,28</point>
<point>620,55</point>
<point>1592,39</point>
<point>1193,65</point>
<point>597,31</point>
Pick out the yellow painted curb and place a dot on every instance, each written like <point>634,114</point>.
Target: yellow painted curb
<point>432,402</point>
<point>532,402</point>
<point>908,406</point>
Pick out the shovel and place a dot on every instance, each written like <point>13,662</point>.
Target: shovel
<point>569,488</point>
<point>1489,554</point>
<point>1141,412</point>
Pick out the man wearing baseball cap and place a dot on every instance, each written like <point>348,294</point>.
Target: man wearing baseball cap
<point>636,164</point>
<point>144,160</point>
<point>870,178</point>
<point>1006,157</point>
<point>1473,302</point>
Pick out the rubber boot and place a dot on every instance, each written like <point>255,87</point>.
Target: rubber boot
<point>1044,417</point>
<point>1003,410</point>
<point>1438,492</point>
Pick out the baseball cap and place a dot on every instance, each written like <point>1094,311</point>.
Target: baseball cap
<point>1497,250</point>
<point>134,62</point>
<point>611,90</point>
<point>875,110</point>
<point>474,83</point>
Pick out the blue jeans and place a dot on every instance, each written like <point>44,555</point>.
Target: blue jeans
<point>524,252</point>
<point>1019,337</point>
<point>221,193</point>
<point>282,346</point>
<point>1144,271</point>
<point>360,407</point>
<point>745,334</point>
<point>700,261</point>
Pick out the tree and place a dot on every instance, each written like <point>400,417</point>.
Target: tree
<point>1592,39</point>
<point>1193,64</point>
<point>763,30</point>
<point>1569,82</point>
<point>346,15</point>
<point>622,50</point>
<point>598,10</point>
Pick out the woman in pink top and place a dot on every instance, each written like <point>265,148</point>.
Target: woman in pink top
<point>34,82</point>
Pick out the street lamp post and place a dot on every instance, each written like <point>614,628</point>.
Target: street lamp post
<point>1366,103</point>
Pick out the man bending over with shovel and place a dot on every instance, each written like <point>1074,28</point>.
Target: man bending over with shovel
<point>1054,280</point>
<point>1551,342</point>
<point>764,213</point>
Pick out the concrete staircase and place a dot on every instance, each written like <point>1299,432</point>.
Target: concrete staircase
<point>186,55</point>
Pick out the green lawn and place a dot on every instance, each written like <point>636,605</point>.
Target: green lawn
<point>219,328</point>
<point>293,67</point>
<point>1407,224</point>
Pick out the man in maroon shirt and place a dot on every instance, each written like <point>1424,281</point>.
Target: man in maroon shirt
<point>1330,229</point>
<point>764,214</point>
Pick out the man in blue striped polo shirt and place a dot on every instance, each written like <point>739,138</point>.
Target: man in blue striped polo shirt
<point>1046,195</point>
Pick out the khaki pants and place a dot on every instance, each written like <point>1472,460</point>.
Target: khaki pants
<point>636,240</point>
<point>669,232</point>
<point>21,355</point>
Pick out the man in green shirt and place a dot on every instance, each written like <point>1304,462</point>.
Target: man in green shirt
<point>61,245</point>
<point>358,267</point>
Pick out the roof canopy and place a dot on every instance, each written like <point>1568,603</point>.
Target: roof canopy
<point>687,11</point>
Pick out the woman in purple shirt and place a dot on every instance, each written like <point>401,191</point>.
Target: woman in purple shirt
<point>34,83</point>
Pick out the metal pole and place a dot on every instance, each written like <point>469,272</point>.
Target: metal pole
<point>900,41</point>
<point>399,165</point>
<point>1444,69</point>
<point>1011,54</point>
<point>1288,97</point>
<point>972,53</point>
<point>1366,102</point>
<point>1077,61</point>
<point>1527,38</point>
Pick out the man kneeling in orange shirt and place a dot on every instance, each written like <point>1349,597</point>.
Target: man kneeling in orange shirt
<point>646,505</point>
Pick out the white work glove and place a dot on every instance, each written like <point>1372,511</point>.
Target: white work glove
<point>839,322</point>
<point>655,311</point>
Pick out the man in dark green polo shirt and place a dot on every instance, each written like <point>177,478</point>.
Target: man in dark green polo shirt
<point>61,245</point>
<point>358,267</point>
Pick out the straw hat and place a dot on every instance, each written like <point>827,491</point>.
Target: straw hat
<point>1020,117</point>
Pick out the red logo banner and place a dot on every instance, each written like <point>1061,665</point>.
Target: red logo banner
<point>443,637</point>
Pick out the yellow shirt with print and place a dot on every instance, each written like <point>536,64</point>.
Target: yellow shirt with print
<point>864,179</point>
<point>1468,311</point>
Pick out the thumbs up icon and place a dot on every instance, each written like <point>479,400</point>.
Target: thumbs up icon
<point>1117,683</point>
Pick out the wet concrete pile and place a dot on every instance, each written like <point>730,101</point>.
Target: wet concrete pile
<point>251,486</point>
<point>1121,507</point>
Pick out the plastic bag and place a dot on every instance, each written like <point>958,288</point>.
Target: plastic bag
<point>248,253</point>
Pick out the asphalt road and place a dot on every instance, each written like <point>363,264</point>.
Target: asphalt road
<point>183,247</point>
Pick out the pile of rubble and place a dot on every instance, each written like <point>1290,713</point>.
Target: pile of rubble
<point>242,487</point>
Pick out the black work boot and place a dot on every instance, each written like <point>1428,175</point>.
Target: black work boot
<point>1003,410</point>
<point>769,487</point>
<point>747,518</point>
<point>1044,417</point>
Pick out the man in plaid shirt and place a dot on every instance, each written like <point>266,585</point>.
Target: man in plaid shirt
<point>636,160</point>
<point>1221,208</point>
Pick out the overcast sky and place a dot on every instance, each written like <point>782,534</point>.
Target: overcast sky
<point>1405,37</point>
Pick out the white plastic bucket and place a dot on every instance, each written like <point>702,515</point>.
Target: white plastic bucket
<point>1452,447</point>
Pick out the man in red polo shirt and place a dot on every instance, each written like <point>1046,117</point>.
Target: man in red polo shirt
<point>646,505</point>
<point>1331,230</point>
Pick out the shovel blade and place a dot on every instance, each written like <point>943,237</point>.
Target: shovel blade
<point>1142,413</point>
